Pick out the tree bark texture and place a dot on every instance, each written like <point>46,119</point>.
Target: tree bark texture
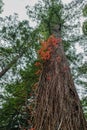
<point>58,106</point>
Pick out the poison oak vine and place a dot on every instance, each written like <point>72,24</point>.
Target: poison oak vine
<point>46,50</point>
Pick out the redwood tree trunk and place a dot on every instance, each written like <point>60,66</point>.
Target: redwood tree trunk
<point>58,106</point>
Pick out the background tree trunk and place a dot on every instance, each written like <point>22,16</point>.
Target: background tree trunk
<point>58,106</point>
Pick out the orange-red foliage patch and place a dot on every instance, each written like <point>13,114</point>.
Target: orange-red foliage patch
<point>37,64</point>
<point>32,129</point>
<point>46,47</point>
<point>46,51</point>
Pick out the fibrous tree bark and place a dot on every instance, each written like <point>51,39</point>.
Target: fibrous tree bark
<point>58,106</point>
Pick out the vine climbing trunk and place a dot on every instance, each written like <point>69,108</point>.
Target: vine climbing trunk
<point>58,106</point>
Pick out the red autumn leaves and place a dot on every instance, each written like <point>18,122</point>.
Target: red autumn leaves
<point>46,51</point>
<point>46,47</point>
<point>37,64</point>
<point>32,129</point>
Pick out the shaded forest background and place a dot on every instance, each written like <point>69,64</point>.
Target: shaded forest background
<point>19,44</point>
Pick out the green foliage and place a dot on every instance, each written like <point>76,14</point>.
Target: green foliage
<point>1,5</point>
<point>18,43</point>
<point>85,28</point>
<point>17,51</point>
<point>15,111</point>
<point>14,98</point>
<point>84,104</point>
<point>83,69</point>
<point>48,14</point>
<point>85,11</point>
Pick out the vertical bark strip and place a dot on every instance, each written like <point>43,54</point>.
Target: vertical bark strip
<point>58,106</point>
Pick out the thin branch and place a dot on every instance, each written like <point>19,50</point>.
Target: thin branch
<point>10,65</point>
